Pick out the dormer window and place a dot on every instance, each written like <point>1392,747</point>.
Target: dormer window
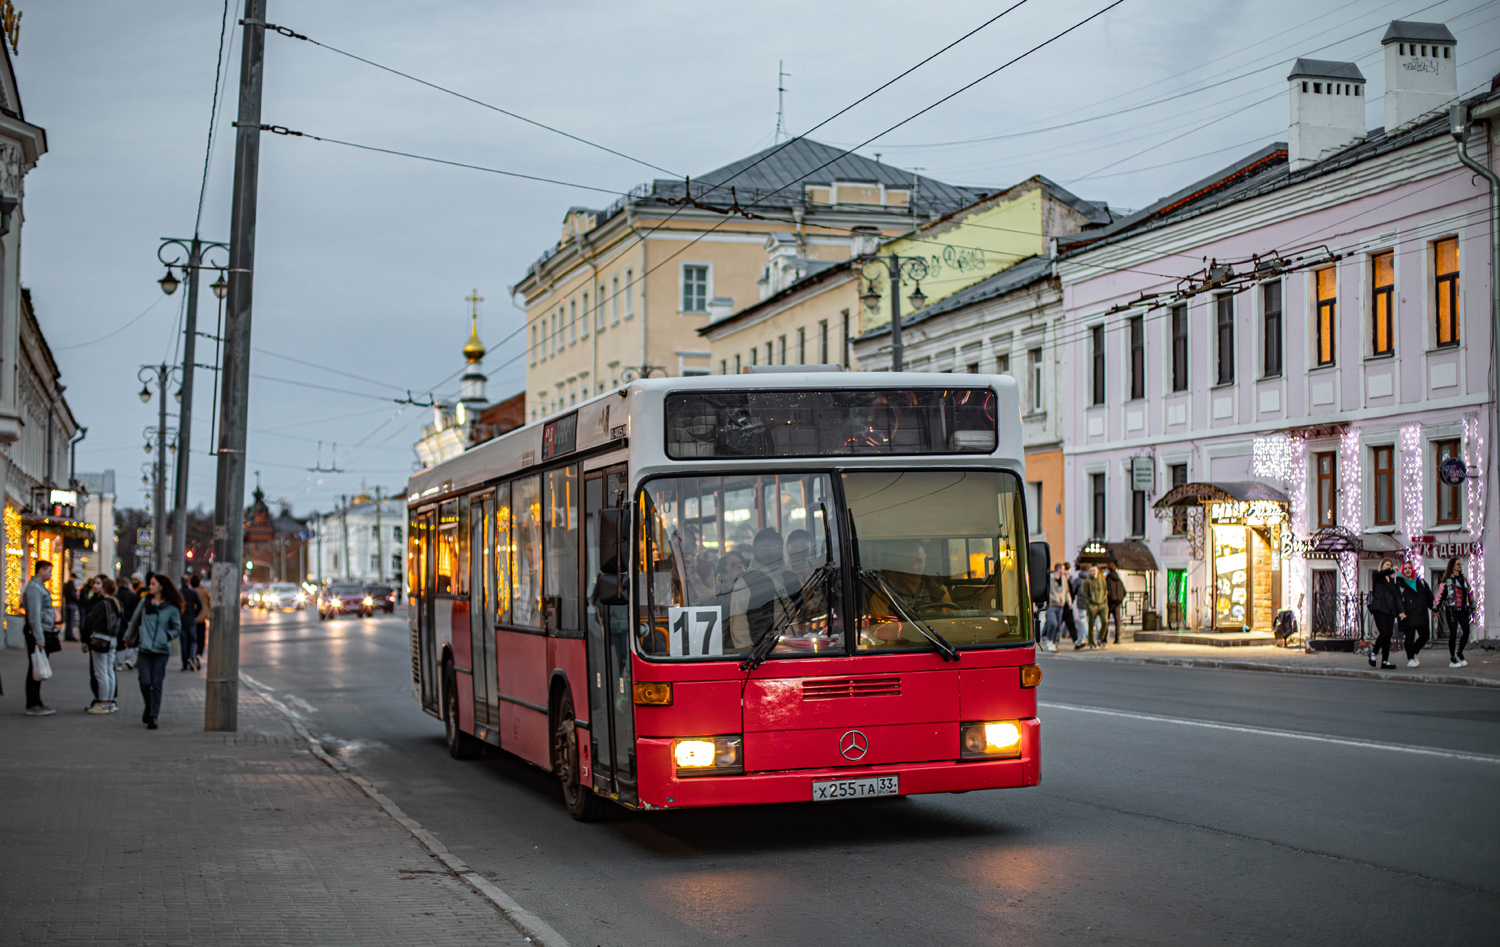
<point>1304,86</point>
<point>1318,87</point>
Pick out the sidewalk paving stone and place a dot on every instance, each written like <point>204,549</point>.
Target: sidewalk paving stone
<point>114,834</point>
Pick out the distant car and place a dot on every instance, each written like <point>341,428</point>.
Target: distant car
<point>286,596</point>
<point>250,594</point>
<point>383,596</point>
<point>344,598</point>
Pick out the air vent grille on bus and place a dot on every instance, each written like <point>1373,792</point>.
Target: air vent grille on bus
<point>832,687</point>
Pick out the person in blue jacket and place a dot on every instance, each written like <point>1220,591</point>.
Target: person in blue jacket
<point>157,620</point>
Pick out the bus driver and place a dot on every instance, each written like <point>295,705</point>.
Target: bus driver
<point>907,577</point>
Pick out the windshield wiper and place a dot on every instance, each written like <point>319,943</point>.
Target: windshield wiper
<point>769,640</point>
<point>909,613</point>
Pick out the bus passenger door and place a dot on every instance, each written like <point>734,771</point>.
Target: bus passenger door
<point>611,707</point>
<point>425,524</point>
<point>482,619</point>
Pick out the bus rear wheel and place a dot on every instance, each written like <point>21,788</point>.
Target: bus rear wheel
<point>583,803</point>
<point>461,746</point>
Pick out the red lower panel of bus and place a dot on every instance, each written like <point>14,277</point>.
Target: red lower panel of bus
<point>661,789</point>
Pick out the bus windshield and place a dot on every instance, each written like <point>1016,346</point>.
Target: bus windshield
<point>942,549</point>
<point>732,559</point>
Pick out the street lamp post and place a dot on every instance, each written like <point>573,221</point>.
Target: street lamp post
<point>897,267</point>
<point>157,440</point>
<point>171,253</point>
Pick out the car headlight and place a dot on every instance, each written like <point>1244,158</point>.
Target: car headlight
<point>369,601</point>
<point>709,756</point>
<point>993,740</point>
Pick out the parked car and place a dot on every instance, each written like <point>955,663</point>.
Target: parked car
<point>282,595</point>
<point>344,598</point>
<point>384,597</point>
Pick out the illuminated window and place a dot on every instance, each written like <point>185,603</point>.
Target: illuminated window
<point>1445,257</point>
<point>1382,298</point>
<point>1450,497</point>
<point>1325,468</point>
<point>1383,462</point>
<point>1324,350</point>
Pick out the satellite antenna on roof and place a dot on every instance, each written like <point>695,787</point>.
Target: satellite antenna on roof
<point>781,76</point>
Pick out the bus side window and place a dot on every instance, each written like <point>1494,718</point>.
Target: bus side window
<point>526,597</point>
<point>560,576</point>
<point>503,549</point>
<point>447,572</point>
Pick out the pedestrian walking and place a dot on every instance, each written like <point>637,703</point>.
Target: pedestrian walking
<point>1115,587</point>
<point>1096,601</point>
<point>125,594</point>
<point>191,607</point>
<point>1456,610</point>
<point>101,632</point>
<point>70,606</point>
<point>40,631</point>
<point>1075,605</point>
<point>1416,601</point>
<point>1058,599</point>
<point>1387,608</point>
<point>157,620</point>
<point>200,630</point>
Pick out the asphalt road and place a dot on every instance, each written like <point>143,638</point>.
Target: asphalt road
<point>1177,806</point>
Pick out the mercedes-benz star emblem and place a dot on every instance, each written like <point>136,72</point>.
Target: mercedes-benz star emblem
<point>854,745</point>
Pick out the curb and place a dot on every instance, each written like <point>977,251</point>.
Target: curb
<point>1221,664</point>
<point>533,928</point>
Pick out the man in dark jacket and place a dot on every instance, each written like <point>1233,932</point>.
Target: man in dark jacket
<point>192,605</point>
<point>1115,589</point>
<point>1416,601</point>
<point>126,595</point>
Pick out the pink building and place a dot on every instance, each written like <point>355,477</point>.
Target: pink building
<point>1274,363</point>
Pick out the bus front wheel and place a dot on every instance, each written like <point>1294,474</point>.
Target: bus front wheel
<point>583,803</point>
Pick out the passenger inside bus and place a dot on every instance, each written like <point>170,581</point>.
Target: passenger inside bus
<point>762,596</point>
<point>905,572</point>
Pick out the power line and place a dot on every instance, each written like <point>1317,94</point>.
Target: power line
<point>325,368</point>
<point>114,332</point>
<point>468,98</point>
<point>213,114</point>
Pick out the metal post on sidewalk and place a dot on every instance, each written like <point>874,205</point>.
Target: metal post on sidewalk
<point>159,489</point>
<point>185,417</point>
<point>221,708</point>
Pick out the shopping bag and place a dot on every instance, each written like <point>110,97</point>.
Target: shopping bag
<point>41,668</point>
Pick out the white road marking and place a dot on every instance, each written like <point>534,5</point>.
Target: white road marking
<point>1285,734</point>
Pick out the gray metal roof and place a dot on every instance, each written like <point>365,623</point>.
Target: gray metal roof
<point>1326,69</point>
<point>1022,274</point>
<point>1410,31</point>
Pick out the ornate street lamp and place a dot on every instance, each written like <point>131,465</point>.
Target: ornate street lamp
<point>169,283</point>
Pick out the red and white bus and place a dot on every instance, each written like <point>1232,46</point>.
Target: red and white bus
<point>771,587</point>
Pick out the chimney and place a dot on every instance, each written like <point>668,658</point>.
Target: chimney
<point>864,241</point>
<point>1421,71</point>
<point>720,307</point>
<point>1328,110</point>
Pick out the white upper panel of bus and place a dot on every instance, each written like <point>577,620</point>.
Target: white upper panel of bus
<point>637,409</point>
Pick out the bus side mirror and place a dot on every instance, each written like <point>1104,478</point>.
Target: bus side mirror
<point>1038,565</point>
<point>614,556</point>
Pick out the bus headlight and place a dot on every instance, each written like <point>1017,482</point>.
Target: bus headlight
<point>709,756</point>
<point>999,739</point>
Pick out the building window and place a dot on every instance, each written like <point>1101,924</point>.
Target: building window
<point>1383,462</point>
<point>532,360</point>
<point>694,288</point>
<point>972,368</point>
<point>1138,357</point>
<point>1096,487</point>
<point>1034,364</point>
<point>781,350</point>
<point>823,342</point>
<point>614,301</point>
<point>599,301</point>
<point>1002,364</point>
<point>769,359</point>
<point>629,293</point>
<point>1138,513</point>
<point>1179,348</point>
<point>1096,361</point>
<point>374,532</point>
<point>801,346</point>
<point>1445,253</point>
<point>573,317</point>
<point>1270,296</point>
<point>1325,468</point>
<point>723,366</point>
<point>1224,337</point>
<point>395,534</point>
<point>1179,514</point>
<point>1450,498</point>
<point>1324,342</point>
<point>754,355</point>
<point>1034,507</point>
<point>1382,297</point>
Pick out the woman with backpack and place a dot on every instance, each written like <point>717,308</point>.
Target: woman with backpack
<point>157,620</point>
<point>1387,608</point>
<point>101,635</point>
<point>1456,608</point>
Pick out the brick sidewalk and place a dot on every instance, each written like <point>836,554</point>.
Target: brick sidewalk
<point>113,834</point>
<point>1483,669</point>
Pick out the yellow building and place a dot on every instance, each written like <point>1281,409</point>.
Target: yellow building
<point>810,309</point>
<point>625,290</point>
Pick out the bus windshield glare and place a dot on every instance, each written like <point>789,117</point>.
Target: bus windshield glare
<point>729,560</point>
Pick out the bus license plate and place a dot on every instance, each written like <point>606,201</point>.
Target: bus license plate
<point>828,790</point>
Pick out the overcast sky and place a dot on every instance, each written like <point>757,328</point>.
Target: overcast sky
<point>364,260</point>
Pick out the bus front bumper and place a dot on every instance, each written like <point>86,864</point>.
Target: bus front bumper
<point>661,788</point>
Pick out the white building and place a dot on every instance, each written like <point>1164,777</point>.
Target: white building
<point>98,510</point>
<point>361,541</point>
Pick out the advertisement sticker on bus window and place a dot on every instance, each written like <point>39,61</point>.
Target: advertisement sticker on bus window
<point>695,631</point>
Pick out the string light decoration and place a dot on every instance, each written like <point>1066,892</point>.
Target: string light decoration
<point>1474,441</point>
<point>15,557</point>
<point>1273,456</point>
<point>1352,516</point>
<point>1413,490</point>
<point>1297,491</point>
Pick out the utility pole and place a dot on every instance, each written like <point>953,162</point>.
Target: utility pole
<point>379,541</point>
<point>344,522</point>
<point>898,351</point>
<point>158,437</point>
<point>221,709</point>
